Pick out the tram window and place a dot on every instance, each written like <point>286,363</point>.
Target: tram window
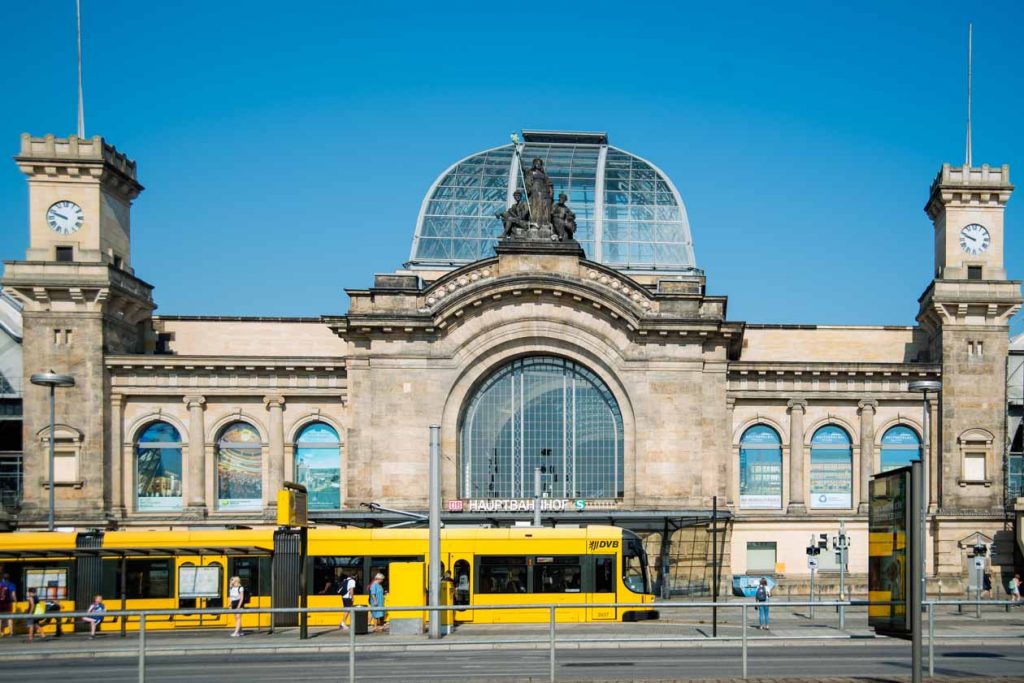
<point>380,565</point>
<point>145,579</point>
<point>462,583</point>
<point>329,571</point>
<point>503,575</point>
<point>557,574</point>
<point>604,574</point>
<point>254,573</point>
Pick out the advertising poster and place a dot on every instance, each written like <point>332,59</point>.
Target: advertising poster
<point>199,582</point>
<point>831,479</point>
<point>760,470</point>
<point>889,551</point>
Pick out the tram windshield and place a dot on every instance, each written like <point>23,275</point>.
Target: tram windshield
<point>634,563</point>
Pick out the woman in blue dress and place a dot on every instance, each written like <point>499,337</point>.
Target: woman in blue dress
<point>377,601</point>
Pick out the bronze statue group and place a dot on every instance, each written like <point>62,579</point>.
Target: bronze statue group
<point>538,217</point>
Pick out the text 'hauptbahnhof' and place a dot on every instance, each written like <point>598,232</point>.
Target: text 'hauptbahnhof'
<point>608,366</point>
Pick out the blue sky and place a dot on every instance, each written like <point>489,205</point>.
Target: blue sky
<point>286,147</point>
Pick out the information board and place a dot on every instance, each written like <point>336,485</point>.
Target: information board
<point>199,582</point>
<point>889,556</point>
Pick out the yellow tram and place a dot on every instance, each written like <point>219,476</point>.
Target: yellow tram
<point>577,567</point>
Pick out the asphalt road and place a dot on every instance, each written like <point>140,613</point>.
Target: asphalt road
<point>812,663</point>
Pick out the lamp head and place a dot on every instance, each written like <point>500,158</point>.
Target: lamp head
<point>925,385</point>
<point>52,379</point>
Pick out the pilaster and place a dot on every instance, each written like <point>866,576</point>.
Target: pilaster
<point>797,408</point>
<point>275,406</point>
<point>866,409</point>
<point>196,465</point>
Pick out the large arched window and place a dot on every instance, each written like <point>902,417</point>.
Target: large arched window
<point>900,447</point>
<point>831,468</point>
<point>239,468</point>
<point>542,412</point>
<point>158,469</point>
<point>318,465</point>
<point>761,468</point>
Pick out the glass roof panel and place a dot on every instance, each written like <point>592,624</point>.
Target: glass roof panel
<point>631,217</point>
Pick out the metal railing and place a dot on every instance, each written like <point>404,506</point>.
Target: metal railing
<point>742,607</point>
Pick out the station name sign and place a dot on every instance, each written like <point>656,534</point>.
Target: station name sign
<point>526,505</point>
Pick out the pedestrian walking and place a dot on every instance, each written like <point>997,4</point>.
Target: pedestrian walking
<point>377,601</point>
<point>96,611</point>
<point>986,586</point>
<point>8,596</point>
<point>236,594</point>
<point>1014,588</point>
<point>348,594</point>
<point>36,608</point>
<point>761,596</point>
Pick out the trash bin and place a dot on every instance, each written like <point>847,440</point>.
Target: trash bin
<point>361,623</point>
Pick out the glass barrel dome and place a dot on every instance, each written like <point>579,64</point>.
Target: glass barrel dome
<point>629,215</point>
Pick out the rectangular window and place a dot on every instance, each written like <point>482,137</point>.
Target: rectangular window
<point>145,579</point>
<point>503,575</point>
<point>65,464</point>
<point>974,466</point>
<point>761,557</point>
<point>118,262</point>
<point>604,574</point>
<point>973,272</point>
<point>557,574</point>
<point>254,573</point>
<point>65,254</point>
<point>329,573</point>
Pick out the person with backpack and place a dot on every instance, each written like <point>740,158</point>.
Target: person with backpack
<point>761,596</point>
<point>348,593</point>
<point>1013,587</point>
<point>8,596</point>
<point>236,594</point>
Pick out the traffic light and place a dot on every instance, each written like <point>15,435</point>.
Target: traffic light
<point>813,549</point>
<point>823,541</point>
<point>980,550</point>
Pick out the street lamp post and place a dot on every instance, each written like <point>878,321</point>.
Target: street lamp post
<point>922,386</point>
<point>52,380</point>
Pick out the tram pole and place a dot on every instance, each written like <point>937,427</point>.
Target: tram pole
<point>714,566</point>
<point>434,581</point>
<point>536,496</point>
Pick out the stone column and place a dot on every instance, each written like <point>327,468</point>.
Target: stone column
<point>196,480</point>
<point>275,470</point>
<point>867,410</point>
<point>117,470</point>
<point>934,476</point>
<point>797,408</point>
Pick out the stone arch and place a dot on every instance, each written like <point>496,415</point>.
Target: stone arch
<point>238,416</point>
<point>898,421</point>
<point>306,419</point>
<point>761,419</point>
<point>140,424</point>
<point>835,420</point>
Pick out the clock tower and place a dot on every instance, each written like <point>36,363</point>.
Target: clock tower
<point>965,313</point>
<point>81,303</point>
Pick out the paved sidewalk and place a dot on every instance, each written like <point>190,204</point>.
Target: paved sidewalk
<point>693,632</point>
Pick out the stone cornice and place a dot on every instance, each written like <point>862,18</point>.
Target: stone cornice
<point>155,363</point>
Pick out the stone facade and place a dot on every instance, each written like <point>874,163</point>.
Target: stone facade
<point>412,350</point>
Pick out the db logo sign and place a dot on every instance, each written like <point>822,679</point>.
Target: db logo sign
<point>454,506</point>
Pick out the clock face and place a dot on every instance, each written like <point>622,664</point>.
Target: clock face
<point>65,217</point>
<point>974,239</point>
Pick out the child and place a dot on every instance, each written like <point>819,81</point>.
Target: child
<point>97,609</point>
<point>36,608</point>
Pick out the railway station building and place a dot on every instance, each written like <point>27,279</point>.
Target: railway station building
<point>618,372</point>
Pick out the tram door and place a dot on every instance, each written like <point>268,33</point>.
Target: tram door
<point>462,579</point>
<point>201,584</point>
<point>604,588</point>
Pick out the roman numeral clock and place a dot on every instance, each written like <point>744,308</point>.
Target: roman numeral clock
<point>65,217</point>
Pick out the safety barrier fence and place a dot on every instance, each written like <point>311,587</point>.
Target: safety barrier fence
<point>743,608</point>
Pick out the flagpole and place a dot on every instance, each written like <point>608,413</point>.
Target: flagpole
<point>970,51</point>
<point>81,99</point>
<point>522,175</point>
